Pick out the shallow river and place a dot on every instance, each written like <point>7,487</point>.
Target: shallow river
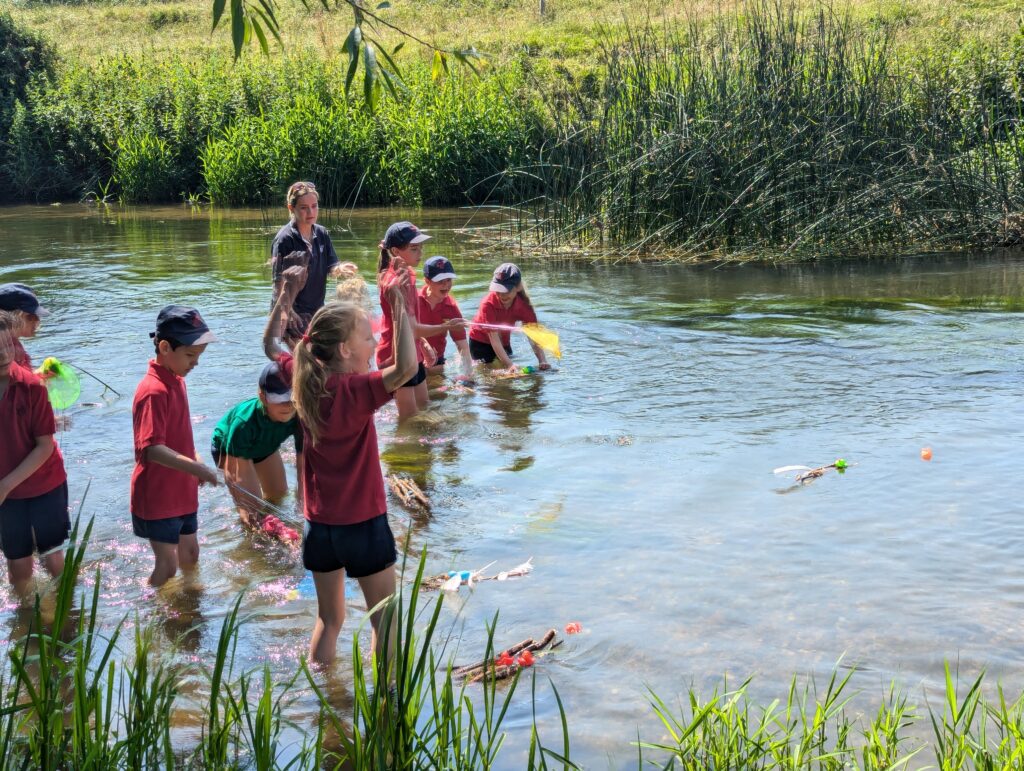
<point>638,476</point>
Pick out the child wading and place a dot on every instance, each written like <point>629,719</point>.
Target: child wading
<point>33,483</point>
<point>505,304</point>
<point>400,252</point>
<point>21,302</point>
<point>165,481</point>
<point>247,440</point>
<point>436,307</point>
<point>336,396</point>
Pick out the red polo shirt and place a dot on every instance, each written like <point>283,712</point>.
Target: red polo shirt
<point>341,476</point>
<point>493,312</point>
<point>160,416</point>
<point>442,312</point>
<point>385,355</point>
<point>26,414</point>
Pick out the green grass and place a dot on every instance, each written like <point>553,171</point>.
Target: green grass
<point>502,28</point>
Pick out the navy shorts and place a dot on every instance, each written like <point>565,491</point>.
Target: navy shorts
<point>361,549</point>
<point>167,530</point>
<point>484,352</point>
<point>419,377</point>
<point>39,524</point>
<point>217,454</point>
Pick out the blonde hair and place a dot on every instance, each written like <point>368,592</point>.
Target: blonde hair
<point>10,322</point>
<point>351,286</point>
<point>297,190</point>
<point>315,359</point>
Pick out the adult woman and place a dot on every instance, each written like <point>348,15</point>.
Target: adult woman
<point>303,236</point>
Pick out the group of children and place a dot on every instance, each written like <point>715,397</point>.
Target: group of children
<point>320,387</point>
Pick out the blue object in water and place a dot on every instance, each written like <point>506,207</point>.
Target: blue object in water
<point>306,587</point>
<point>462,574</point>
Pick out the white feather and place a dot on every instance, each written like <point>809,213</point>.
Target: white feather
<point>784,469</point>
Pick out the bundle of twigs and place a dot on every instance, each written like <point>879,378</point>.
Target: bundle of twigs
<point>490,668</point>
<point>409,493</point>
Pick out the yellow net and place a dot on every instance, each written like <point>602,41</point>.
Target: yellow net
<point>544,337</point>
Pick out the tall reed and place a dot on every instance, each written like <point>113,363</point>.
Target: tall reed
<point>772,130</point>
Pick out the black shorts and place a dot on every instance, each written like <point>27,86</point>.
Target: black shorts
<point>167,530</point>
<point>419,377</point>
<point>217,454</point>
<point>361,549</point>
<point>39,524</point>
<point>484,352</point>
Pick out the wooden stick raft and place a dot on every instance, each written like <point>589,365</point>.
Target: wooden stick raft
<point>473,673</point>
<point>409,494</point>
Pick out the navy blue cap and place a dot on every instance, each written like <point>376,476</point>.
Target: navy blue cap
<point>183,325</point>
<point>403,234</point>
<point>506,277</point>
<point>18,297</point>
<point>438,269</point>
<point>276,386</point>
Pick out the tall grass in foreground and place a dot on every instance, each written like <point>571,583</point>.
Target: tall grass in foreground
<point>772,130</point>
<point>76,697</point>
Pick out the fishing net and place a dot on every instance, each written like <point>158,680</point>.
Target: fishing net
<point>62,384</point>
<point>544,337</point>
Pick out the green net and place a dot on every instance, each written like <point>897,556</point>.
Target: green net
<point>62,383</point>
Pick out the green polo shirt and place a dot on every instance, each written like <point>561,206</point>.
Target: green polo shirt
<point>246,431</point>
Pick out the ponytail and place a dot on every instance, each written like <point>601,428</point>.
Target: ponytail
<point>384,261</point>
<point>315,357</point>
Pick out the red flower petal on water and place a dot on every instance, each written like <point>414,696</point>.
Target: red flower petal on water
<point>525,659</point>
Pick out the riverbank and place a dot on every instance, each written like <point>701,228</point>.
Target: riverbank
<point>764,130</point>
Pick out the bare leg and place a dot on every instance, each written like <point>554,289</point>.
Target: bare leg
<point>422,397</point>
<point>19,571</point>
<point>54,562</point>
<point>330,615</point>
<point>377,588</point>
<point>188,551</point>
<point>272,478</point>
<point>408,406</point>
<point>166,562</point>
<point>242,472</point>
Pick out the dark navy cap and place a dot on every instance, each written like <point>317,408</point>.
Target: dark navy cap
<point>403,234</point>
<point>18,297</point>
<point>438,269</point>
<point>506,277</point>
<point>183,325</point>
<point>276,387</point>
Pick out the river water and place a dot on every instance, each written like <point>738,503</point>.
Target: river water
<point>638,476</point>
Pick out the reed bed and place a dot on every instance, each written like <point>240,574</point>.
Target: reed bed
<point>773,131</point>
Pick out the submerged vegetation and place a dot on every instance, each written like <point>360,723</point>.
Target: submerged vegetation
<point>76,694</point>
<point>776,128</point>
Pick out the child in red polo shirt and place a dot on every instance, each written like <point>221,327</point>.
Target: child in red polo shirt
<point>336,396</point>
<point>167,474</point>
<point>506,304</point>
<point>21,302</point>
<point>400,253</point>
<point>33,483</point>
<point>436,307</point>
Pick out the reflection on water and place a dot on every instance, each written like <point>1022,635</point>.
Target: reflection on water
<point>638,476</point>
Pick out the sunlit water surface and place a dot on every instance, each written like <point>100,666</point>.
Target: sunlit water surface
<point>638,476</point>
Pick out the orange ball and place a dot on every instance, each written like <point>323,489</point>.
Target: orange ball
<point>926,453</point>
